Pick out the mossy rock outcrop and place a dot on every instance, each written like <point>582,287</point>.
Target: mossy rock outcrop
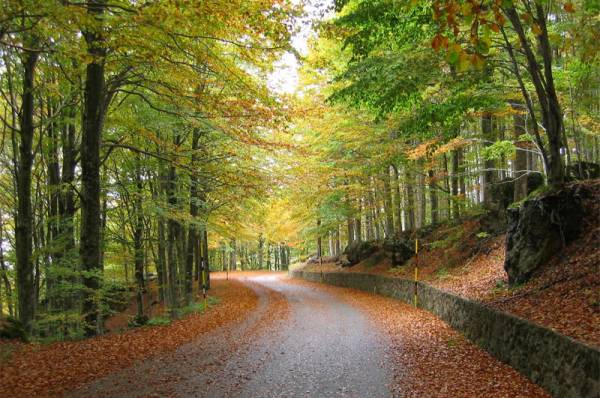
<point>357,251</point>
<point>541,227</point>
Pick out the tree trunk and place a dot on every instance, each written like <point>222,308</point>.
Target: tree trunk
<point>421,200</point>
<point>447,183</point>
<point>350,227</point>
<point>193,241</point>
<point>261,247</point>
<point>398,204</point>
<point>54,250</point>
<point>454,188</point>
<point>138,246</point>
<point>338,248</point>
<point>410,199</point>
<point>488,165</point>
<point>269,255</point>
<point>233,258</point>
<point>543,82</point>
<point>520,165</point>
<point>67,207</point>
<point>433,198</point>
<point>461,178</point>
<point>161,268</point>
<point>24,217</point>
<point>206,262</point>
<point>93,119</point>
<point>387,204</point>
<point>173,237</point>
<point>3,272</point>
<point>319,240</point>
<point>358,223</point>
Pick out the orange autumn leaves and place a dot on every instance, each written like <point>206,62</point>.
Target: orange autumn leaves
<point>50,370</point>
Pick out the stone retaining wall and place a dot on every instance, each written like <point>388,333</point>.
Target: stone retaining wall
<point>561,365</point>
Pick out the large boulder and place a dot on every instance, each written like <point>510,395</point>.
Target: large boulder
<point>540,228</point>
<point>400,249</point>
<point>503,191</point>
<point>357,251</point>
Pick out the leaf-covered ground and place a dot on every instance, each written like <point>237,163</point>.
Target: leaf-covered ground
<point>49,370</point>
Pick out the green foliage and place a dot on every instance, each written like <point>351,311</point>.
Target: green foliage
<point>60,326</point>
<point>498,150</point>
<point>114,297</point>
<point>158,321</point>
<point>196,307</point>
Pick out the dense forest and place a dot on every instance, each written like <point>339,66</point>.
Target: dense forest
<point>142,139</point>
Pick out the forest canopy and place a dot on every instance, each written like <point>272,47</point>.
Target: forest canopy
<point>142,139</point>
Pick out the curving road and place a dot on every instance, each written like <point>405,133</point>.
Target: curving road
<point>320,347</point>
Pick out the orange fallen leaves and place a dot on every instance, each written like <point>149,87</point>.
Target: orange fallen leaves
<point>50,370</point>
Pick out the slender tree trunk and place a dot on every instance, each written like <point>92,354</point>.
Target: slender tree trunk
<point>421,200</point>
<point>233,258</point>
<point>358,223</point>
<point>54,245</point>
<point>206,263</point>
<point>67,206</point>
<point>173,238</point>
<point>319,241</point>
<point>447,183</point>
<point>461,178</point>
<point>488,174</point>
<point>350,227</point>
<point>387,204</point>
<point>24,217</point>
<point>3,272</point>
<point>398,204</point>
<point>433,198</point>
<point>520,165</point>
<point>138,246</point>
<point>543,82</point>
<point>193,242</point>
<point>261,247</point>
<point>410,198</point>
<point>161,268</point>
<point>454,189</point>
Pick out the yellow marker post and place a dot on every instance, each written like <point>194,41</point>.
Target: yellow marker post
<point>416,271</point>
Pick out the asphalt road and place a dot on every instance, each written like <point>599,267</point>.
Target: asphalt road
<point>322,347</point>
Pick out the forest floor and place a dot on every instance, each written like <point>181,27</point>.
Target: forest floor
<point>51,369</point>
<point>564,297</point>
